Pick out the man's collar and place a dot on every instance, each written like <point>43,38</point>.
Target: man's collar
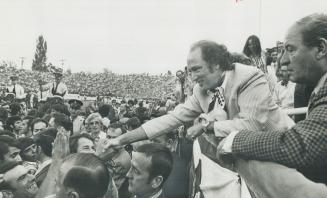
<point>156,195</point>
<point>224,75</point>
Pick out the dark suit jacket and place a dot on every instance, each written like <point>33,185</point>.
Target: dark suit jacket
<point>303,147</point>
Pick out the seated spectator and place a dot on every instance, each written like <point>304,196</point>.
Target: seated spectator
<point>151,166</point>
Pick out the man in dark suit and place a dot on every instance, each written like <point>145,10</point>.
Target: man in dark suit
<point>151,165</point>
<point>304,146</point>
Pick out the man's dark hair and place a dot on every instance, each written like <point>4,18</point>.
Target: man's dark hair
<point>89,176</point>
<point>118,125</point>
<point>4,149</point>
<point>37,120</point>
<point>3,114</point>
<point>214,54</point>
<point>15,108</point>
<point>133,123</point>
<point>11,121</point>
<point>104,110</point>
<point>161,160</point>
<point>61,108</point>
<point>73,141</point>
<point>63,120</point>
<point>45,140</point>
<point>314,27</point>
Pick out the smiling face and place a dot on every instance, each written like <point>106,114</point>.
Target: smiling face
<point>303,66</point>
<point>22,182</point>
<point>206,77</point>
<point>85,145</point>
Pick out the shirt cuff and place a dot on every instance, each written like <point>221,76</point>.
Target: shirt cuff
<point>227,147</point>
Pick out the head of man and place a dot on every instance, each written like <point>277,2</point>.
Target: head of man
<point>274,56</point>
<point>151,166</point>
<point>27,148</point>
<point>13,80</point>
<point>306,49</point>
<point>284,73</point>
<point>8,151</point>
<point>38,125</point>
<point>93,123</point>
<point>206,62</point>
<point>20,181</point>
<point>15,124</point>
<point>115,130</point>
<point>58,77</point>
<point>81,143</point>
<point>84,167</point>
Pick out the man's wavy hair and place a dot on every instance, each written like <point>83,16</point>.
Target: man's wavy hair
<point>214,54</point>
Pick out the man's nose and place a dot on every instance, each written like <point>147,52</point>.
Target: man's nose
<point>285,59</point>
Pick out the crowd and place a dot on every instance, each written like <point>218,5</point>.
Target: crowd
<point>103,84</point>
<point>229,137</point>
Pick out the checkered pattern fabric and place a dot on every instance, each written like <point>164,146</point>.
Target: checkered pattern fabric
<point>303,147</point>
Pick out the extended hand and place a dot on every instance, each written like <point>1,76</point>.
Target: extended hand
<point>194,131</point>
<point>61,144</point>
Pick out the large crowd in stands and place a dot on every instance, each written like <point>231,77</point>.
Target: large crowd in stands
<point>211,144</point>
<point>98,84</point>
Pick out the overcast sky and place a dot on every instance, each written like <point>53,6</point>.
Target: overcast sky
<point>137,36</point>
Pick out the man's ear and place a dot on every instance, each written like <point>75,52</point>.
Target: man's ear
<point>156,182</point>
<point>73,194</point>
<point>322,49</point>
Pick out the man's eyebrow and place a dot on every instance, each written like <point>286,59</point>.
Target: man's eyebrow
<point>22,177</point>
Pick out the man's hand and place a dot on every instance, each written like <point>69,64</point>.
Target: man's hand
<point>226,158</point>
<point>61,144</point>
<point>194,131</point>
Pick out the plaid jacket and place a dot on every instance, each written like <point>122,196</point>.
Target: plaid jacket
<point>303,147</point>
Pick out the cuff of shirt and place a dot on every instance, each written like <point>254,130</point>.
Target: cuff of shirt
<point>227,147</point>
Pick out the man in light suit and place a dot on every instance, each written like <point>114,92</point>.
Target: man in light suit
<point>249,104</point>
<point>16,89</point>
<point>303,147</point>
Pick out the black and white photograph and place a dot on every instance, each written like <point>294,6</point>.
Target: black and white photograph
<point>163,99</point>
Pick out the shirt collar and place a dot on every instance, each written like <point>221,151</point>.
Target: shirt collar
<point>153,196</point>
<point>223,85</point>
<point>320,83</point>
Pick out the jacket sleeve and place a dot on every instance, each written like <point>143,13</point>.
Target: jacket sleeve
<point>302,146</point>
<point>185,112</point>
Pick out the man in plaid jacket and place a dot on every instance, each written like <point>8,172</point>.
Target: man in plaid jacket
<point>303,147</point>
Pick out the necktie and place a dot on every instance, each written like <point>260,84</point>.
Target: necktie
<point>219,97</point>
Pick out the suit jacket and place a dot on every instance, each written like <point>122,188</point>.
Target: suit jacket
<point>249,105</point>
<point>303,147</point>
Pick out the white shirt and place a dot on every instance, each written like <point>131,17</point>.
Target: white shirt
<point>61,88</point>
<point>19,90</point>
<point>284,95</point>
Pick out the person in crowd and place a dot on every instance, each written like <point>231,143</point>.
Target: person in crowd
<point>8,151</point>
<point>75,106</point>
<point>27,148</point>
<point>151,166</point>
<point>38,125</point>
<point>44,144</point>
<point>81,143</point>
<point>178,181</point>
<point>16,89</point>
<point>58,120</point>
<point>93,126</point>
<point>16,109</point>
<point>284,91</point>
<point>252,49</point>
<point>16,125</point>
<point>19,181</point>
<point>57,88</point>
<point>302,147</point>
